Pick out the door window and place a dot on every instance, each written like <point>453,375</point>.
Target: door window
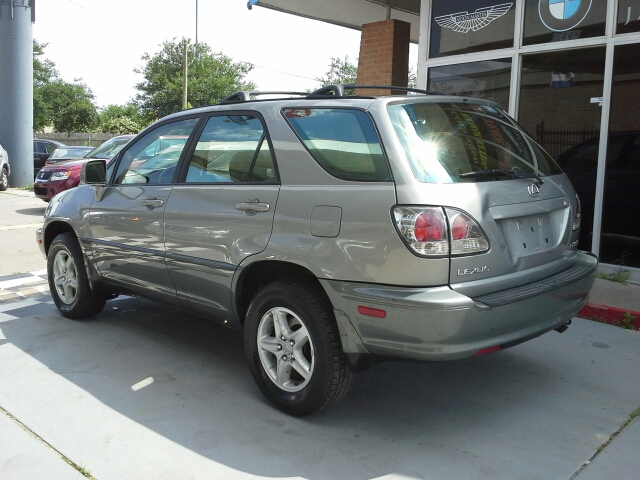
<point>232,149</point>
<point>153,158</point>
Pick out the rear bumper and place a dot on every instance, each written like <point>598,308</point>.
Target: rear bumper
<point>440,324</point>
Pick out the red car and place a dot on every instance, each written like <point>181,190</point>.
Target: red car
<point>57,177</point>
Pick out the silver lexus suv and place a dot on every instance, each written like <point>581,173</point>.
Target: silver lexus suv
<point>335,230</point>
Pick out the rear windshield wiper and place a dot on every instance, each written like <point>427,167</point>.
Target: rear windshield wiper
<point>500,172</point>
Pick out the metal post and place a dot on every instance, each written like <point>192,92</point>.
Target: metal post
<point>16,89</point>
<point>185,74</point>
<point>196,22</point>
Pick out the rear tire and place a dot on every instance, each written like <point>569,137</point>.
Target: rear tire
<point>68,281</point>
<point>294,350</point>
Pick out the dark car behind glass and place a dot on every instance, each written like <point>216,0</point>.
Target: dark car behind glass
<point>620,238</point>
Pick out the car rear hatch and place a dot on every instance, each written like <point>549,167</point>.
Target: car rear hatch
<point>511,216</point>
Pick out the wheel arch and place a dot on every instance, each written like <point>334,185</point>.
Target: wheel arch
<point>58,227</point>
<point>251,278</point>
<point>54,229</point>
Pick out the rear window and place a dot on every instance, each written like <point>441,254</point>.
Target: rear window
<point>343,141</point>
<point>460,142</point>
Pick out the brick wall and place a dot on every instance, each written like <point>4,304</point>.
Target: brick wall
<point>384,55</point>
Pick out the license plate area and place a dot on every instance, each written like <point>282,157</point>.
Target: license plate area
<point>530,234</point>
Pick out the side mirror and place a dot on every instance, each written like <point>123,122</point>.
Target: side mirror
<point>94,172</point>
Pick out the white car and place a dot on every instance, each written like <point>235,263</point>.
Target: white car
<point>5,170</point>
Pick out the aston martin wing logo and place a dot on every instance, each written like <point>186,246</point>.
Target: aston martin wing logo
<point>465,21</point>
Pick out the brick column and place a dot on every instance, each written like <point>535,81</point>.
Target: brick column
<point>384,55</point>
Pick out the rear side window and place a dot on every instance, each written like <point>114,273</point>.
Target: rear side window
<point>343,141</point>
<point>232,149</point>
<point>460,142</point>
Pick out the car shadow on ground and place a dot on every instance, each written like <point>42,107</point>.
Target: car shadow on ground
<point>36,212</point>
<point>401,418</point>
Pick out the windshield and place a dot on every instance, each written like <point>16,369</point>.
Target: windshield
<point>109,148</point>
<point>69,152</point>
<point>461,142</point>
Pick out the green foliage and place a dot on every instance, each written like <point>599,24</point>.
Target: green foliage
<point>345,72</point>
<point>340,72</point>
<point>44,72</point>
<point>69,107</point>
<point>120,119</point>
<point>211,77</point>
<point>626,321</point>
<point>619,275</point>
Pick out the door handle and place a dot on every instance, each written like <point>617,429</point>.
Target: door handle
<point>151,202</point>
<point>253,207</point>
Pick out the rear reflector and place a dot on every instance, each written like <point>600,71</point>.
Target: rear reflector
<point>487,350</point>
<point>372,312</point>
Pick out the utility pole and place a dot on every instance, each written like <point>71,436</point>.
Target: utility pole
<point>185,72</point>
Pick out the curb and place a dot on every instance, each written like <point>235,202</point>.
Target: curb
<point>611,315</point>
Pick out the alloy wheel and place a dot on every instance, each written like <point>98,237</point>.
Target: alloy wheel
<point>285,348</point>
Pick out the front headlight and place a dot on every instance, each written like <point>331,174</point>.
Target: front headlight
<point>60,175</point>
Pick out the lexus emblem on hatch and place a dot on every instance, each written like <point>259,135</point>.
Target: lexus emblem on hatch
<point>534,190</point>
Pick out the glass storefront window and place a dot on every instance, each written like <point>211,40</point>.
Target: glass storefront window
<point>558,20</point>
<point>489,80</point>
<point>628,16</point>
<point>559,106</point>
<point>620,238</point>
<point>467,26</point>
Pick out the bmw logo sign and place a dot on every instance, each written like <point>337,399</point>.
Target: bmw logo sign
<point>563,15</point>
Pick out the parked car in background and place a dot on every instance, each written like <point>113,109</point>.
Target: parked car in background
<point>336,230</point>
<point>61,154</point>
<point>5,169</point>
<point>59,176</point>
<point>42,150</point>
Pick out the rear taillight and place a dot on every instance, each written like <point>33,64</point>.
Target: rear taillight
<point>466,235</point>
<point>578,215</point>
<point>439,232</point>
<point>424,229</point>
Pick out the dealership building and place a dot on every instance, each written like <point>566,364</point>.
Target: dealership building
<point>567,70</point>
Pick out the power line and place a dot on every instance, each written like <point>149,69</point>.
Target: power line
<point>81,6</point>
<point>277,71</point>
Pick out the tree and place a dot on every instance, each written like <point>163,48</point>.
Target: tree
<point>211,77</point>
<point>120,119</point>
<point>44,72</point>
<point>340,72</point>
<point>345,72</point>
<point>69,107</point>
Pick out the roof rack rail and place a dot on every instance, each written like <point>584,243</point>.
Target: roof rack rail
<point>251,95</point>
<point>339,90</point>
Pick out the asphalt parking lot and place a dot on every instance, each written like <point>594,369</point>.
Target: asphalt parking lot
<point>144,391</point>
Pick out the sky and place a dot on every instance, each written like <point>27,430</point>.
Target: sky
<point>102,41</point>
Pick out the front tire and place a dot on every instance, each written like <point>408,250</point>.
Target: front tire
<point>4,179</point>
<point>293,347</point>
<point>68,281</point>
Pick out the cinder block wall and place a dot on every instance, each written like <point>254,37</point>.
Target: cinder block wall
<point>384,55</point>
